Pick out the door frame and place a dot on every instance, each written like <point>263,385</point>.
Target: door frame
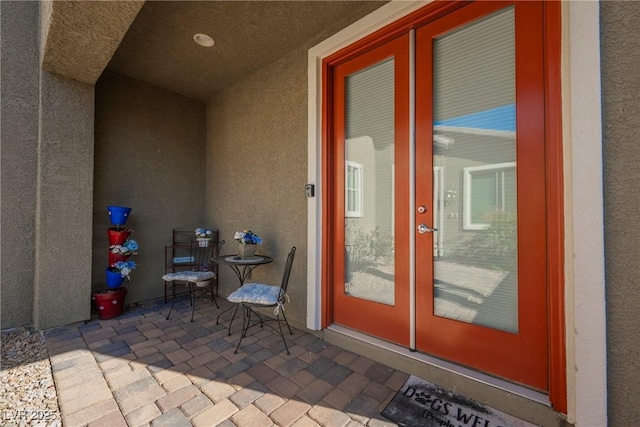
<point>585,310</point>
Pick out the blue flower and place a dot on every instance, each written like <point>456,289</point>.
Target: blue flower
<point>125,267</point>
<point>247,237</point>
<point>132,245</point>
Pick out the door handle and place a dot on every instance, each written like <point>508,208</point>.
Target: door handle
<point>423,228</point>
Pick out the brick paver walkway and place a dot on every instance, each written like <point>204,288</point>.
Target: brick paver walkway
<point>140,369</point>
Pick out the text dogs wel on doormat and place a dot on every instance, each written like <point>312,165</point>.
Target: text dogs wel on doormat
<point>420,403</point>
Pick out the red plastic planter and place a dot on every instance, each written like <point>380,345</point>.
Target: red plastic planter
<point>109,303</point>
<point>118,237</point>
<point>113,258</point>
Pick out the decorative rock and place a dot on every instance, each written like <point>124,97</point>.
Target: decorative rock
<point>26,382</point>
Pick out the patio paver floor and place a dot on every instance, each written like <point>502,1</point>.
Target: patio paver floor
<point>140,369</point>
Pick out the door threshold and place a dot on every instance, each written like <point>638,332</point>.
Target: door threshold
<point>511,398</point>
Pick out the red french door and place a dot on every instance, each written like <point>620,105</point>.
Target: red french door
<point>480,147</point>
<point>371,236</point>
<point>475,224</point>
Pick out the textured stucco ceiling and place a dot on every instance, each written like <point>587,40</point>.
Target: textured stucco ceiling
<point>159,46</point>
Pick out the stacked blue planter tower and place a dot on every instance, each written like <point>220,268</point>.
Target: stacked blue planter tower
<point>109,303</point>
<point>118,216</point>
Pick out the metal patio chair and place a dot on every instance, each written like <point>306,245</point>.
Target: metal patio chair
<point>177,257</point>
<point>201,272</point>
<point>261,295</point>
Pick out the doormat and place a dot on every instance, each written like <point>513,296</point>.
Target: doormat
<point>420,403</point>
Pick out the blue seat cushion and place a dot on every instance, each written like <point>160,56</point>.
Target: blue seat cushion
<point>189,276</point>
<point>256,293</point>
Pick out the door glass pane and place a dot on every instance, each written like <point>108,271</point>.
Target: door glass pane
<point>369,145</point>
<point>475,261</point>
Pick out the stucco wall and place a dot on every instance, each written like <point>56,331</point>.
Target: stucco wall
<point>63,212</point>
<point>18,154</point>
<point>620,42</point>
<point>47,175</point>
<point>256,171</point>
<point>257,166</point>
<point>150,156</point>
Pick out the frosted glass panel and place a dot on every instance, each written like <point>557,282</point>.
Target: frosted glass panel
<point>475,253</point>
<point>369,146</point>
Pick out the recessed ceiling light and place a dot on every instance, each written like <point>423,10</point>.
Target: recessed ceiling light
<point>203,40</point>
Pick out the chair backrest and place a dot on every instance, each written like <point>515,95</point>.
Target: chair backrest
<point>219,248</point>
<point>203,253</point>
<point>182,237</point>
<point>287,272</point>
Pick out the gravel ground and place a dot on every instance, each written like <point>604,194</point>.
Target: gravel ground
<point>27,391</point>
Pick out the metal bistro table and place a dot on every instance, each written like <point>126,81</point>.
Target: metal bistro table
<point>242,267</point>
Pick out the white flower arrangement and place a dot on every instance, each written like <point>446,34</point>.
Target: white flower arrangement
<point>204,233</point>
<point>130,247</point>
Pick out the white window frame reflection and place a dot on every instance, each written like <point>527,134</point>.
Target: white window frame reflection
<point>467,182</point>
<point>354,194</point>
